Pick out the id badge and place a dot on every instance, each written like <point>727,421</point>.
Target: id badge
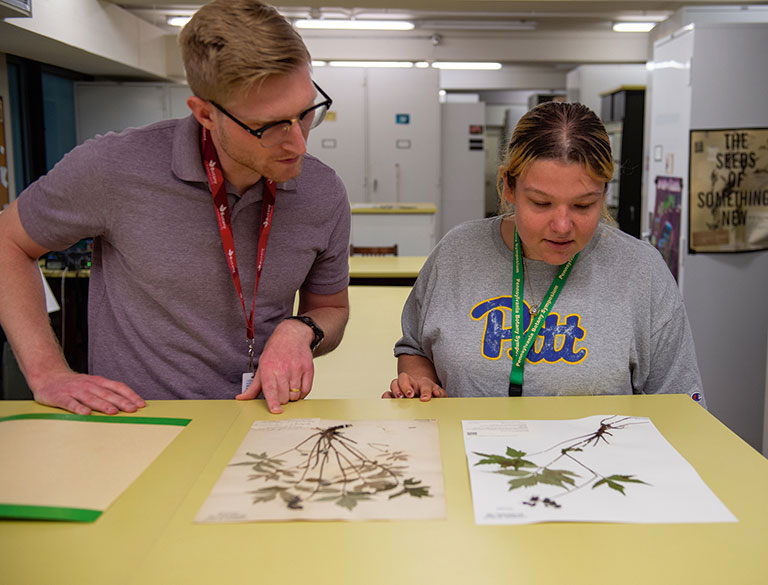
<point>247,379</point>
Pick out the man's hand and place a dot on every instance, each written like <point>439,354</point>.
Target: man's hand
<point>81,393</point>
<point>286,370</point>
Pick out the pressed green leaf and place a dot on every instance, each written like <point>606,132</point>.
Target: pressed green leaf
<point>526,481</point>
<point>557,477</point>
<point>266,494</point>
<point>515,453</point>
<point>381,486</point>
<point>264,498</point>
<point>418,492</point>
<point>503,461</point>
<point>350,500</point>
<point>269,488</point>
<point>616,486</point>
<point>615,481</point>
<point>627,479</point>
<point>412,488</point>
<point>512,472</point>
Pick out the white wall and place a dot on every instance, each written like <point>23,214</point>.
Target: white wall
<point>585,83</point>
<point>529,47</point>
<point>91,34</point>
<point>509,77</point>
<point>713,77</point>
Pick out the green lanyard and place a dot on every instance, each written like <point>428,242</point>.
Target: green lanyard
<point>521,344</point>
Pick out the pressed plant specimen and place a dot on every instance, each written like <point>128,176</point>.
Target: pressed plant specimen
<point>524,472</point>
<point>330,466</point>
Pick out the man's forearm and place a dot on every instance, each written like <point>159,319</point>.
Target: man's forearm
<point>26,324</point>
<point>23,314</point>
<point>330,312</point>
<point>333,321</point>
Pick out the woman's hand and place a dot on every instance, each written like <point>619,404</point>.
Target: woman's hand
<point>407,386</point>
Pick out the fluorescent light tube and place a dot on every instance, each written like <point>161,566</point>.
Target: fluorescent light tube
<point>178,20</point>
<point>478,24</point>
<point>633,26</point>
<point>337,24</point>
<point>468,66</point>
<point>385,64</point>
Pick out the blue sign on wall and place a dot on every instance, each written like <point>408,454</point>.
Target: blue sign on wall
<point>402,118</point>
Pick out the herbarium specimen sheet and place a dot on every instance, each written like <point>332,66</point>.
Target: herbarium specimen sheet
<point>605,468</point>
<point>313,469</point>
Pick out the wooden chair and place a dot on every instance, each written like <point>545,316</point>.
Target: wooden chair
<point>373,250</point>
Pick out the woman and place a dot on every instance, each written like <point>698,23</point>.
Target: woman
<point>606,314</point>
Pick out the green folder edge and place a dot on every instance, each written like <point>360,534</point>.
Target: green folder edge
<point>24,512</point>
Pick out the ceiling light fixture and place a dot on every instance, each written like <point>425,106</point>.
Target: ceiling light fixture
<point>477,24</point>
<point>337,24</point>
<point>633,26</point>
<point>178,20</point>
<point>382,64</point>
<point>466,66</point>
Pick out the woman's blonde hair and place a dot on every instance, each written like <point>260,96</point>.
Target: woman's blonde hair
<point>231,45</point>
<point>561,131</point>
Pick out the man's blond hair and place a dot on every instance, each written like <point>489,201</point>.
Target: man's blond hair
<point>231,45</point>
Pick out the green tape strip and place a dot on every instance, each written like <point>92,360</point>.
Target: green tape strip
<point>48,513</point>
<point>135,420</point>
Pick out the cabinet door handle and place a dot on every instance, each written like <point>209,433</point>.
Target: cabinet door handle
<point>375,185</point>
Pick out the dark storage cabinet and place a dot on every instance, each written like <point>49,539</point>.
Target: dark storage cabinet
<point>622,112</point>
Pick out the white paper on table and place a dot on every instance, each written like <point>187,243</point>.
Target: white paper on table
<point>314,469</point>
<point>573,460</point>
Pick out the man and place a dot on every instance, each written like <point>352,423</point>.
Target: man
<point>204,230</point>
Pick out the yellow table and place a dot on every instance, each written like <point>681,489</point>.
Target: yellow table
<point>148,537</point>
<point>364,363</point>
<point>385,270</point>
<point>359,267</point>
<point>385,266</point>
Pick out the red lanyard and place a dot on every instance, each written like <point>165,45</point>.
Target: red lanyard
<point>219,193</point>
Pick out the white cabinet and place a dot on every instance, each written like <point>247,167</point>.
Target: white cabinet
<point>463,152</point>
<point>340,140</point>
<point>383,134</point>
<point>404,135</point>
<point>101,107</point>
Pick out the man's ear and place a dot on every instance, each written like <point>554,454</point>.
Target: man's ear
<point>202,110</point>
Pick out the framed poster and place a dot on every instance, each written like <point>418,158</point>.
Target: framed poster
<point>665,231</point>
<point>728,178</point>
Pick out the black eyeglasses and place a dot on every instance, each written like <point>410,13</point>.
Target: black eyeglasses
<point>275,133</point>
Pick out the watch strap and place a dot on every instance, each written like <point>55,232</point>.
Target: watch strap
<point>309,322</point>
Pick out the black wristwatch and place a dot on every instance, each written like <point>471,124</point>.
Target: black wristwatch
<point>309,322</point>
